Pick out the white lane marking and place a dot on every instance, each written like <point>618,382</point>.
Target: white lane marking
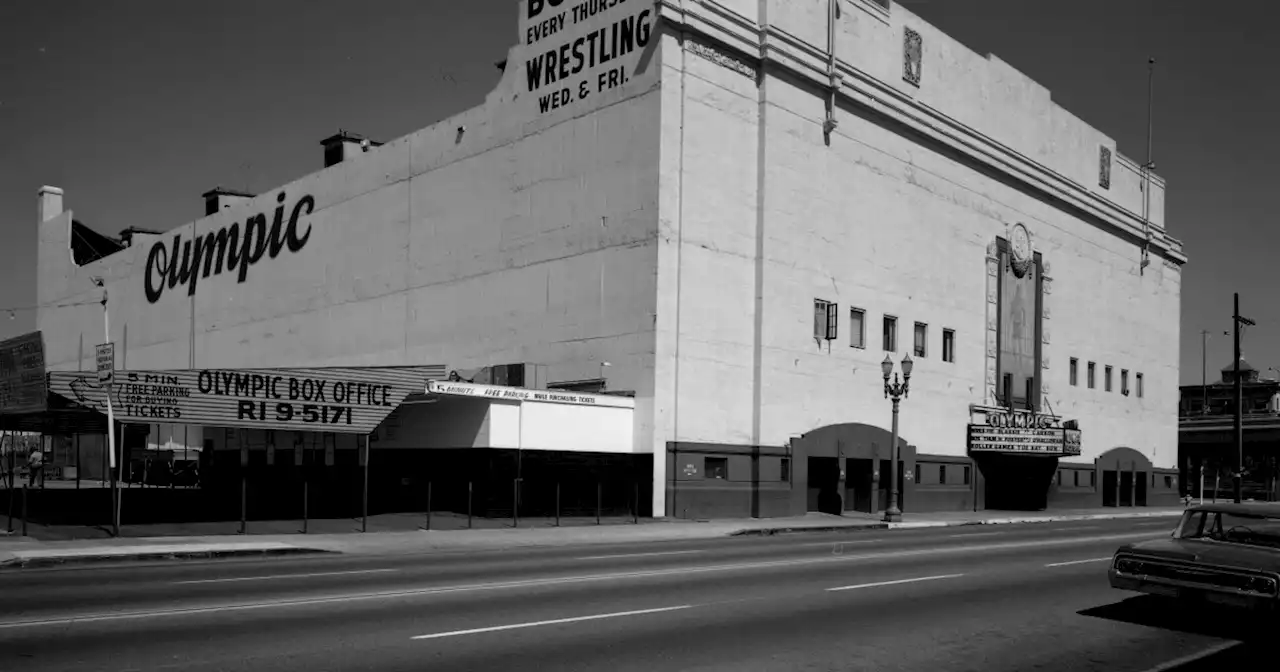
<point>529,583</point>
<point>1176,663</point>
<point>283,576</point>
<point>556,621</point>
<point>1076,562</point>
<point>637,555</point>
<point>896,582</point>
<point>1084,527</point>
<point>975,534</point>
<point>1160,523</point>
<point>837,543</point>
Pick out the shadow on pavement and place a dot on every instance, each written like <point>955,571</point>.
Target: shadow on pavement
<point>1252,632</point>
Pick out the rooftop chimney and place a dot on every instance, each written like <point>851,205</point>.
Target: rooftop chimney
<point>344,145</point>
<point>50,205</point>
<point>218,199</point>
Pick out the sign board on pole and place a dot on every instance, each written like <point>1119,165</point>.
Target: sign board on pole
<point>22,375</point>
<point>342,400</point>
<point>106,363</point>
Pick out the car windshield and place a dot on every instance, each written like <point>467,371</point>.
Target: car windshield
<point>1251,530</point>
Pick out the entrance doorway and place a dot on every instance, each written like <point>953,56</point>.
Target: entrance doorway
<point>1140,488</point>
<point>824,485</point>
<point>858,485</point>
<point>1126,489</point>
<point>1109,488</point>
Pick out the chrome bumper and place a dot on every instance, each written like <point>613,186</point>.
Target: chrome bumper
<point>1184,591</point>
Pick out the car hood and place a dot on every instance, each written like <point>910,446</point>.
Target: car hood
<point>1208,552</point>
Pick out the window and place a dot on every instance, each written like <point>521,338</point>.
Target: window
<point>966,475</point>
<point>1106,378</point>
<point>1093,479</point>
<point>1077,478</point>
<point>1168,482</point>
<point>1059,478</point>
<point>716,467</point>
<point>824,320</point>
<point>1124,382</point>
<point>949,345</point>
<point>1075,372</point>
<point>786,470</point>
<point>922,339</point>
<point>942,474</point>
<point>1138,379</point>
<point>1092,369</point>
<point>857,328</point>
<point>890,333</point>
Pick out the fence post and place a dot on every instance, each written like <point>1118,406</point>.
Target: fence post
<point>24,509</point>
<point>598,497</point>
<point>515,502</point>
<point>428,505</point>
<point>468,505</point>
<point>10,529</point>
<point>635,502</point>
<point>306,500</point>
<point>557,503</point>
<point>244,501</point>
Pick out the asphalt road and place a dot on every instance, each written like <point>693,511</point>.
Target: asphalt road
<point>984,598</point>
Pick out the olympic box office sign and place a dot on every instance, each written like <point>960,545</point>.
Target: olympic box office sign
<point>344,400</point>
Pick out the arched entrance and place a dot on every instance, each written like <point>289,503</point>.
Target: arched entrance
<point>846,467</point>
<point>1124,476</point>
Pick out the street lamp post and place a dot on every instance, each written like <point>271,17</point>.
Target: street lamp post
<point>895,390</point>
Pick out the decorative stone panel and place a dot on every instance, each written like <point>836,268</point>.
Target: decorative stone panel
<point>993,314</point>
<point>1104,167</point>
<point>1045,344</point>
<point>912,55</point>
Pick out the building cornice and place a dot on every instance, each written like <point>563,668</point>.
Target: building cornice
<point>784,51</point>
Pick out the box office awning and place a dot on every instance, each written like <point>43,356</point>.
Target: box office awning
<point>348,400</point>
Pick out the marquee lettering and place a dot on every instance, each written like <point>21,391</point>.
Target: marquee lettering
<point>232,247</point>
<point>1019,420</point>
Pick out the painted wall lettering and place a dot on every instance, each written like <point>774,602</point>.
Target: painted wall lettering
<point>577,49</point>
<point>231,247</point>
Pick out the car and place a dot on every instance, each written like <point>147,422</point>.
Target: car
<point>1224,554</point>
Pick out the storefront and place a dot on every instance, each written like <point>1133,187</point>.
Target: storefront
<point>732,243</point>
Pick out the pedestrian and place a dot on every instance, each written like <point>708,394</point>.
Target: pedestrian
<point>35,467</point>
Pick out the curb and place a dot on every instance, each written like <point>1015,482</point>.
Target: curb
<point>64,560</point>
<point>912,525</point>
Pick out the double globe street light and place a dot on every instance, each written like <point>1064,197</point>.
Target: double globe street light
<point>895,390</point>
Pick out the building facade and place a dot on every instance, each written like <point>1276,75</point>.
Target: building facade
<point>733,209</point>
<point>1208,455</point>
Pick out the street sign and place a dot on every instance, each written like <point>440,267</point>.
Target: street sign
<point>106,363</point>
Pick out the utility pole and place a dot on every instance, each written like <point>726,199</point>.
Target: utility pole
<point>1238,320</point>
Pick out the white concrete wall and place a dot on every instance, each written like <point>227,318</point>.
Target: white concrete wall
<point>881,221</point>
<point>503,234</point>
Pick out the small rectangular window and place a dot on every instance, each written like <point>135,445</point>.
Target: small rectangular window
<point>857,328</point>
<point>942,474</point>
<point>922,340</point>
<point>966,475</point>
<point>1093,479</point>
<point>786,470</point>
<point>1075,366</point>
<point>1092,370</point>
<point>890,333</point>
<point>824,320</point>
<point>1168,482</point>
<point>1077,478</point>
<point>1138,380</point>
<point>1106,378</point>
<point>1059,478</point>
<point>716,467</point>
<point>949,345</point>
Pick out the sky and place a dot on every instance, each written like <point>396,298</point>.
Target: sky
<point>136,108</point>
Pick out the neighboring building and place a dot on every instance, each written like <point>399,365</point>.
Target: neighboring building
<point>731,210</point>
<point>1206,435</point>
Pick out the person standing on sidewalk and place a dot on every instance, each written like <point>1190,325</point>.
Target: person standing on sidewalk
<point>35,467</point>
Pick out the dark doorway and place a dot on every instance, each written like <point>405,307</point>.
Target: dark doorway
<point>824,485</point>
<point>859,484</point>
<point>1014,482</point>
<point>1109,488</point>
<point>1140,490</point>
<point>1126,488</point>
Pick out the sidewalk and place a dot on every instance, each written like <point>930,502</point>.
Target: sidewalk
<point>384,539</point>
